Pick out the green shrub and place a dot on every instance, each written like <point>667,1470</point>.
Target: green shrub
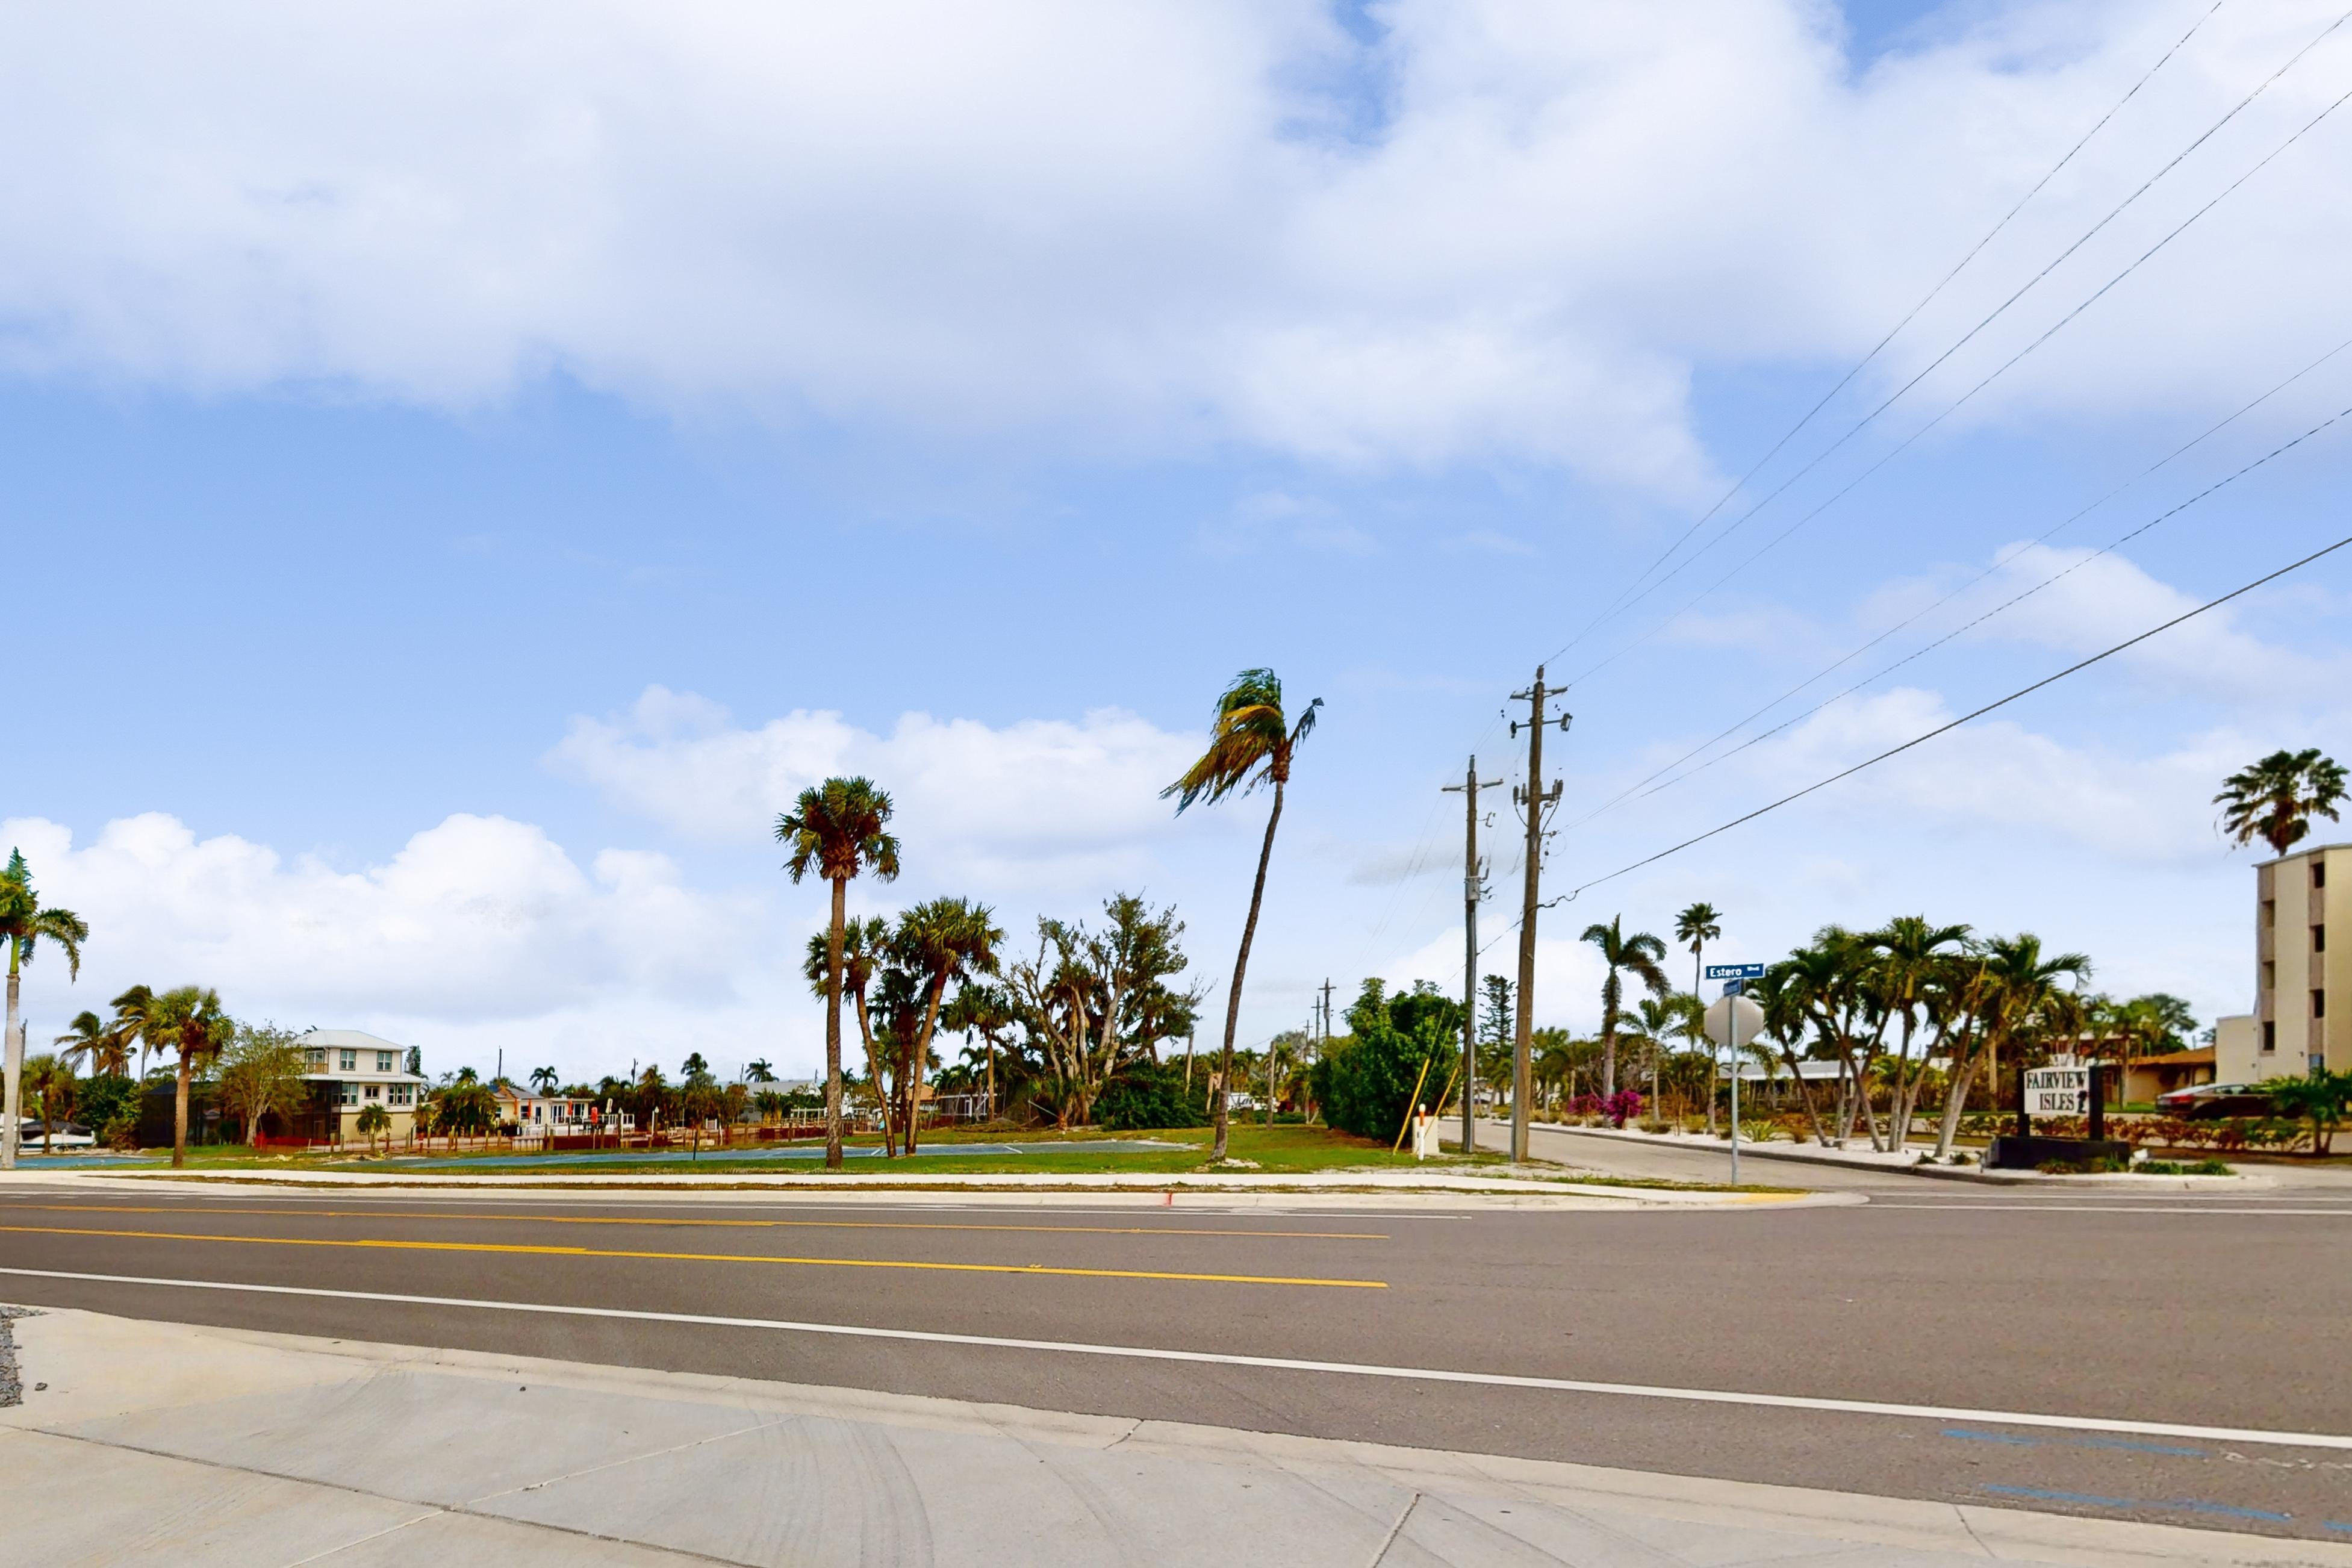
<point>1151,1094</point>
<point>1365,1084</point>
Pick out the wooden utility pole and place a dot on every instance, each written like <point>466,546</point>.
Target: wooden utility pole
<point>1533,798</point>
<point>1473,890</point>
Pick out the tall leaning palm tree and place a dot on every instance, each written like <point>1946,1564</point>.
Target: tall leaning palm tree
<point>2275,798</point>
<point>187,1020</point>
<point>2021,984</point>
<point>1694,928</point>
<point>89,1038</point>
<point>1638,955</point>
<point>836,829</point>
<point>24,926</point>
<point>1251,742</point>
<point>941,940</point>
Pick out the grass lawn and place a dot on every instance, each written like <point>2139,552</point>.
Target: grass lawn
<point>1282,1149</point>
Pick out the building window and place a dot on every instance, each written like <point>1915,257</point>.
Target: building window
<point>2270,976</point>
<point>2319,873</point>
<point>375,1091</point>
<point>2319,1004</point>
<point>316,1058</point>
<point>383,1061</point>
<point>349,1061</point>
<point>2319,939</point>
<point>350,1093</point>
<point>2270,1036</point>
<point>399,1095</point>
<point>2269,912</point>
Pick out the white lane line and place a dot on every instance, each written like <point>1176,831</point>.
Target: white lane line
<point>2108,1208</point>
<point>1277,1363</point>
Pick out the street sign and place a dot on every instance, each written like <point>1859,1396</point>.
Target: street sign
<point>1723,1016</point>
<point>1735,971</point>
<point>2058,1091</point>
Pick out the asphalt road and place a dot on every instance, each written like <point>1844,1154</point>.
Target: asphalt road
<point>2180,1311</point>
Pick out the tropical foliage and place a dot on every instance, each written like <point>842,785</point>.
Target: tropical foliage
<point>2275,798</point>
<point>1396,1044</point>
<point>26,923</point>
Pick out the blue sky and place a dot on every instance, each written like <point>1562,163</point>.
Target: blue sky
<point>452,505</point>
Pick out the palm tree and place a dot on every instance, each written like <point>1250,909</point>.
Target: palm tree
<point>939,941</point>
<point>2021,985</point>
<point>1250,743</point>
<point>836,830</point>
<point>51,1082</point>
<point>188,1021</point>
<point>1661,1018</point>
<point>985,1011</point>
<point>131,1010</point>
<point>544,1079</point>
<point>25,924</point>
<point>1694,928</point>
<point>1914,971</point>
<point>862,943</point>
<point>2275,799</point>
<point>760,1071</point>
<point>92,1039</point>
<point>1638,955</point>
<point>372,1120</point>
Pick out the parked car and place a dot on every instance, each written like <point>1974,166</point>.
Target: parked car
<point>2209,1101</point>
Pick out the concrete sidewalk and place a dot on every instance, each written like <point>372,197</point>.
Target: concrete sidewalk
<point>143,1442</point>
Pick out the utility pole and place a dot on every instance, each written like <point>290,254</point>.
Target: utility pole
<point>1535,799</point>
<point>1473,890</point>
<point>1327,1017</point>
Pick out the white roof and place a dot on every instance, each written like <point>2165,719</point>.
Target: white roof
<point>349,1039</point>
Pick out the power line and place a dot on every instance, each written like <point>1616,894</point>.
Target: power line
<point>1626,602</point>
<point>1998,370</point>
<point>1965,718</point>
<point>2002,561</point>
<point>1910,316</point>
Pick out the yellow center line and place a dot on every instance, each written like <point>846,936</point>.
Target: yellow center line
<point>744,1224</point>
<point>695,1257</point>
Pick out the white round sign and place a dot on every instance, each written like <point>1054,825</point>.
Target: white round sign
<point>1718,1019</point>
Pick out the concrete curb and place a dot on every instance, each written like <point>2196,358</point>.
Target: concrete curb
<point>2242,1182</point>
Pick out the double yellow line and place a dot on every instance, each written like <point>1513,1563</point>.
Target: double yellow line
<point>529,1250</point>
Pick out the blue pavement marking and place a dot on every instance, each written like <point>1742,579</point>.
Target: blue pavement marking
<point>35,1160</point>
<point>814,1150</point>
<point>2189,1505</point>
<point>2335,1524</point>
<point>2012,1440</point>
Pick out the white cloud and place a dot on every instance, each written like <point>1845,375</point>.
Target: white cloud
<point>1497,230</point>
<point>1040,803</point>
<point>478,920</point>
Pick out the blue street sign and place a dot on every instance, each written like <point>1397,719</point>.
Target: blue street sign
<point>1735,971</point>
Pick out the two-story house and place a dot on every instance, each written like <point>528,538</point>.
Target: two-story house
<point>351,1070</point>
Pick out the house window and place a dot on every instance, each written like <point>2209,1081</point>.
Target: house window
<point>2319,939</point>
<point>383,1061</point>
<point>2270,976</point>
<point>2319,873</point>
<point>399,1095</point>
<point>375,1091</point>
<point>349,1061</point>
<point>2270,1036</point>
<point>350,1093</point>
<point>316,1058</point>
<point>2319,1004</point>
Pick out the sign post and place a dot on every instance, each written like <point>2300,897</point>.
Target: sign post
<point>1732,1018</point>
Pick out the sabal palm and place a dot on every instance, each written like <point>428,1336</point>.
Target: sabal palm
<point>760,1071</point>
<point>838,830</point>
<point>544,1079</point>
<point>2021,985</point>
<point>1697,925</point>
<point>861,951</point>
<point>187,1021</point>
<point>49,1083</point>
<point>1638,955</point>
<point>25,924</point>
<point>2275,798</point>
<point>1660,1019</point>
<point>940,940</point>
<point>1250,743</point>
<point>131,1010</point>
<point>983,1010</point>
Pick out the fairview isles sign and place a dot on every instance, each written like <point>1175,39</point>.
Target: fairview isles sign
<point>2062,1088</point>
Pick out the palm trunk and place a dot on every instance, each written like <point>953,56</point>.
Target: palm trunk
<point>1698,968</point>
<point>14,1053</point>
<point>1805,1092</point>
<point>1241,963</point>
<point>180,1111</point>
<point>922,1054</point>
<point>1608,1048</point>
<point>833,1024</point>
<point>1955,1097</point>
